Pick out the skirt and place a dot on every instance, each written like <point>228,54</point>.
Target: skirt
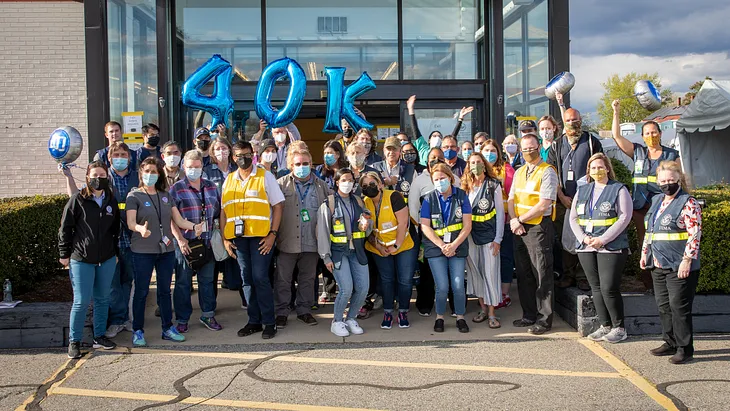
<point>483,274</point>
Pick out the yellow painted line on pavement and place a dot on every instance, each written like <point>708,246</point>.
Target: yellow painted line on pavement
<point>28,400</point>
<point>195,400</point>
<point>627,372</point>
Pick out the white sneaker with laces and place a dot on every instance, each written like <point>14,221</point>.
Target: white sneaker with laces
<point>339,329</point>
<point>114,330</point>
<point>599,333</point>
<point>616,335</point>
<point>354,327</point>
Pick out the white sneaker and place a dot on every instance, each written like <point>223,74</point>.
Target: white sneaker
<point>114,330</point>
<point>616,335</point>
<point>128,326</point>
<point>339,329</point>
<point>378,302</point>
<point>599,333</point>
<point>354,327</point>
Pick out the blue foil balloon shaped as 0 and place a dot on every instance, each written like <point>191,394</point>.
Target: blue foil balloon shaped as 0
<point>220,103</point>
<point>277,69</point>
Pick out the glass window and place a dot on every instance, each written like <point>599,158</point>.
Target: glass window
<point>360,36</point>
<point>440,39</point>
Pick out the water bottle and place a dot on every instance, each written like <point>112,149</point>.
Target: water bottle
<point>7,291</point>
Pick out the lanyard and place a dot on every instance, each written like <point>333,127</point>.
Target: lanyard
<point>299,192</point>
<point>201,197</point>
<point>158,212</point>
<point>350,215</point>
<point>590,202</point>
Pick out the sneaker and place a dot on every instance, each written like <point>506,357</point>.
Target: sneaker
<point>211,324</point>
<point>105,343</point>
<point>453,315</point>
<point>173,335</point>
<point>339,329</point>
<point>424,313</point>
<point>250,329</point>
<point>506,302</point>
<point>281,321</point>
<point>664,350</point>
<point>387,323</point>
<point>182,328</point>
<point>377,302</point>
<point>307,319</point>
<point>438,326</point>
<point>114,330</point>
<point>325,298</point>
<point>616,335</point>
<point>462,326</point>
<point>269,332</point>
<point>403,320</point>
<point>128,326</point>
<point>138,339</point>
<point>522,322</point>
<point>364,313</point>
<point>244,306</point>
<point>354,327</point>
<point>74,350</point>
<point>599,333</point>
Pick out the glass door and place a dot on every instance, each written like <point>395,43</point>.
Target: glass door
<point>442,116</point>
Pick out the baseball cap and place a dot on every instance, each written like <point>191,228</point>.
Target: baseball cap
<point>392,142</point>
<point>527,125</point>
<point>200,131</point>
<point>269,142</point>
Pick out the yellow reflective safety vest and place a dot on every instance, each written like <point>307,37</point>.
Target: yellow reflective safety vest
<point>386,225</point>
<point>527,190</point>
<point>247,202</point>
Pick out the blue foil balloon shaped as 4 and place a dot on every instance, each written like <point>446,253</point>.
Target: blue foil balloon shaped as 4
<point>341,100</point>
<point>277,69</point>
<point>220,103</point>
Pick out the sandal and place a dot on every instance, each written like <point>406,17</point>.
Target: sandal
<point>480,317</point>
<point>493,322</point>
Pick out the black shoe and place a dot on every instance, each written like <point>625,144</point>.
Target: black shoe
<point>461,325</point>
<point>538,329</point>
<point>307,319</point>
<point>565,282</point>
<point>664,350</point>
<point>269,332</point>
<point>250,329</point>
<point>680,357</point>
<point>281,321</point>
<point>157,311</point>
<point>583,285</point>
<point>523,322</point>
<point>74,350</point>
<point>439,326</point>
<point>105,343</point>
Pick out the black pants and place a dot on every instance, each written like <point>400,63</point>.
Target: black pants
<point>535,279</point>
<point>674,297</point>
<point>603,271</point>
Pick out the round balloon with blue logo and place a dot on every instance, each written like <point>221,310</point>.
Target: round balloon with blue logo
<point>65,144</point>
<point>647,95</point>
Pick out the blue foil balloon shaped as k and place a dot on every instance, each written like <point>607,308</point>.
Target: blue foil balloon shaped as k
<point>220,103</point>
<point>277,69</point>
<point>341,100</point>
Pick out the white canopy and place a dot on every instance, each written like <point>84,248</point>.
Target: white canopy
<point>710,110</point>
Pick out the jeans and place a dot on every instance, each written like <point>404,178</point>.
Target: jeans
<point>507,256</point>
<point>90,280</point>
<point>256,282</point>
<point>354,281</point>
<point>121,288</point>
<point>443,270</point>
<point>674,297</point>
<point>206,288</point>
<point>401,266</point>
<point>603,271</point>
<point>163,264</point>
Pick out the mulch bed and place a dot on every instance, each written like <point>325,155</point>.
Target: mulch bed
<point>55,289</point>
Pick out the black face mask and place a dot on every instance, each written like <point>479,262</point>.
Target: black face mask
<point>99,183</point>
<point>371,190</point>
<point>202,144</point>
<point>153,140</point>
<point>432,163</point>
<point>410,158</point>
<point>348,133</point>
<point>244,163</point>
<point>670,189</point>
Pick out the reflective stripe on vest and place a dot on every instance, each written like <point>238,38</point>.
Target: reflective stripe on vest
<point>386,216</point>
<point>598,223</point>
<point>669,236</point>
<point>527,190</point>
<point>248,203</point>
<point>122,206</point>
<point>451,229</point>
<point>342,238</point>
<point>482,218</point>
<point>644,180</point>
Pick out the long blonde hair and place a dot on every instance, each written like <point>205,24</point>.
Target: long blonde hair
<point>468,178</point>
<point>606,162</point>
<point>671,165</point>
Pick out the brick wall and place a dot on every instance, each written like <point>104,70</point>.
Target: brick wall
<point>42,87</point>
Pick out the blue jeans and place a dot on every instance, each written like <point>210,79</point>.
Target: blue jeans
<point>350,274</point>
<point>121,288</point>
<point>256,283</point>
<point>443,269</point>
<point>163,264</point>
<point>90,280</point>
<point>183,281</point>
<point>399,266</point>
<point>507,256</point>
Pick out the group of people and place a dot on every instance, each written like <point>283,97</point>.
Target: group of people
<point>453,219</point>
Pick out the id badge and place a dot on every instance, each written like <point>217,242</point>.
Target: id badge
<point>589,227</point>
<point>580,208</point>
<point>639,167</point>
<point>238,231</point>
<point>166,241</point>
<point>305,215</point>
<point>205,226</point>
<point>447,237</point>
<point>571,175</point>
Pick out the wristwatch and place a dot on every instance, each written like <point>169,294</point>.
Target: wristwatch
<point>396,246</point>
<point>274,232</point>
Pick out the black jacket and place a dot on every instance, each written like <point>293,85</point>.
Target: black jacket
<point>88,233</point>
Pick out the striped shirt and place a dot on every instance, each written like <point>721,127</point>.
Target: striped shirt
<point>121,185</point>
<point>187,200</point>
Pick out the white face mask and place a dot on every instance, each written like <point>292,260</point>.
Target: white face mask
<point>222,155</point>
<point>268,157</point>
<point>547,134</point>
<point>280,137</point>
<point>172,161</point>
<point>356,160</point>
<point>510,148</point>
<point>346,186</point>
<point>435,142</point>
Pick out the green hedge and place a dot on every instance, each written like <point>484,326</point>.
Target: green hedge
<point>715,244</point>
<point>623,174</point>
<point>29,239</point>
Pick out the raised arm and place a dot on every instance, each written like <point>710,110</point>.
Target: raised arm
<point>462,113</point>
<point>413,123</point>
<point>622,142</point>
<point>561,104</point>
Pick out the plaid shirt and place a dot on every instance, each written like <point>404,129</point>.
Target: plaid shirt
<point>121,186</point>
<point>187,201</point>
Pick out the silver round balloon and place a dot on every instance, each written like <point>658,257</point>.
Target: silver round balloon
<point>647,95</point>
<point>65,144</point>
<point>561,83</point>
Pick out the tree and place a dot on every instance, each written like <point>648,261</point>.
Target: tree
<point>693,90</point>
<point>622,88</point>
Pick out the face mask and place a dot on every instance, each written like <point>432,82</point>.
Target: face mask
<point>450,154</point>
<point>346,186</point>
<point>348,133</point>
<point>202,145</point>
<point>403,142</point>
<point>478,148</point>
<point>99,183</point>
<point>670,189</point>
<point>153,140</point>
<point>477,169</point>
<point>367,146</point>
<point>598,175</point>
<point>172,161</point>
<point>193,173</point>
<point>213,136</point>
<point>433,163</point>
<point>244,163</point>
<point>149,179</point>
<point>268,157</point>
<point>409,158</point>
<point>222,155</point>
<point>435,142</point>
<point>466,153</point>
<point>490,156</point>
<point>356,161</point>
<point>371,190</point>
<point>330,159</point>
<point>547,134</point>
<point>652,141</point>
<point>510,148</point>
<point>120,164</point>
<point>301,171</point>
<point>573,130</point>
<point>280,137</point>
<point>442,185</point>
<point>531,155</point>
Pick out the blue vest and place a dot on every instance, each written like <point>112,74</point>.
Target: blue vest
<point>645,184</point>
<point>453,225</point>
<point>484,213</point>
<point>667,239</point>
<point>603,215</point>
<point>339,238</point>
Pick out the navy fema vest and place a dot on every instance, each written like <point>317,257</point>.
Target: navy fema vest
<point>603,214</point>
<point>484,213</point>
<point>453,225</point>
<point>667,239</point>
<point>645,184</point>
<point>339,239</point>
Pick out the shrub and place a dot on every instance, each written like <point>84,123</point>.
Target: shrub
<point>29,239</point>
<point>714,256</point>
<point>624,175</point>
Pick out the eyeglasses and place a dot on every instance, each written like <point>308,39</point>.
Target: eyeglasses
<point>370,184</point>
<point>247,155</point>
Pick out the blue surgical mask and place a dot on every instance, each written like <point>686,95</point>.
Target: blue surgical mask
<point>491,157</point>
<point>193,173</point>
<point>449,154</point>
<point>301,171</point>
<point>149,179</point>
<point>442,185</point>
<point>404,142</point>
<point>120,164</point>
<point>466,153</point>
<point>330,159</point>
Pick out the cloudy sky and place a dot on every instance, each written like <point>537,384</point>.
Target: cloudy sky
<point>682,40</point>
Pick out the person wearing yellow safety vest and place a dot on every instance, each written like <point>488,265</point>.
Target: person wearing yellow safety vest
<point>391,245</point>
<point>480,182</point>
<point>646,159</point>
<point>342,228</point>
<point>252,204</point>
<point>672,250</point>
<point>531,208</point>
<point>599,217</point>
